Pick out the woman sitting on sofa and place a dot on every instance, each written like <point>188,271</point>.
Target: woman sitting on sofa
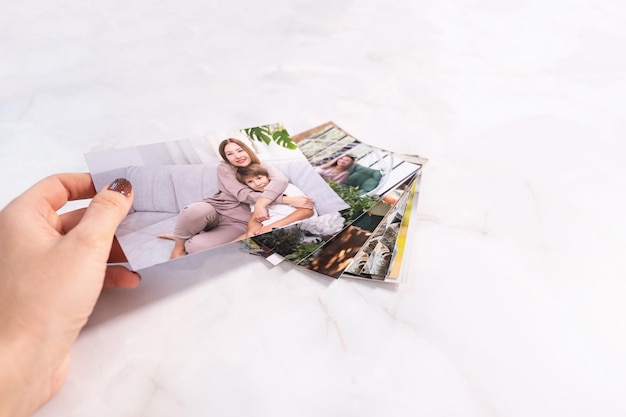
<point>223,217</point>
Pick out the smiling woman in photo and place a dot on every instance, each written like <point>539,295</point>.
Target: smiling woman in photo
<point>224,216</point>
<point>337,170</point>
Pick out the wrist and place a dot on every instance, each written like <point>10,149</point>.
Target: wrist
<point>29,372</point>
<point>17,388</point>
<point>263,202</point>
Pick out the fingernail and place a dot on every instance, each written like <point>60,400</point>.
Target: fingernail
<point>122,186</point>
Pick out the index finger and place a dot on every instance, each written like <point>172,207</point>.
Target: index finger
<point>56,190</point>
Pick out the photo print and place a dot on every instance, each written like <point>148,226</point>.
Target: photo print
<point>348,247</point>
<point>361,175</point>
<point>188,191</point>
<point>405,239</point>
<point>386,244</point>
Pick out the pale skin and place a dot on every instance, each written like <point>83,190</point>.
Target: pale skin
<point>50,281</point>
<point>255,227</point>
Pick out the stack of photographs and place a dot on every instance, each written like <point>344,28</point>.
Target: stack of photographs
<point>337,206</point>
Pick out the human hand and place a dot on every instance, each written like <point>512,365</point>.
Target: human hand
<point>299,201</point>
<point>52,269</point>
<point>264,229</point>
<point>251,233</point>
<point>260,213</point>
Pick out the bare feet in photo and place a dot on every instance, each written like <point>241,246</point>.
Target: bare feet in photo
<point>179,249</point>
<point>169,236</point>
<point>179,245</point>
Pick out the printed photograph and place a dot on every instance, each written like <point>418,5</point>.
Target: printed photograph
<point>360,174</point>
<point>395,272</point>
<point>375,258</point>
<point>193,195</point>
<point>348,247</point>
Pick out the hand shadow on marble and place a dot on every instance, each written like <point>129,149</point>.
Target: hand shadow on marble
<point>208,268</point>
<point>164,280</point>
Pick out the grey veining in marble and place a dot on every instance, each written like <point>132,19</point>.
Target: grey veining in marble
<point>515,303</point>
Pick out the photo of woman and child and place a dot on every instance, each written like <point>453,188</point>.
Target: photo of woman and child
<point>257,178</point>
<point>235,210</point>
<point>214,194</point>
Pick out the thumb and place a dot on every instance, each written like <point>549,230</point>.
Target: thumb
<point>103,215</point>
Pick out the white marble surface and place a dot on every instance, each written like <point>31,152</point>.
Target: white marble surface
<point>516,305</point>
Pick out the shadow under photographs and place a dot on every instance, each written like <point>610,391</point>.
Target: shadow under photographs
<point>327,281</point>
<point>372,284</point>
<point>204,268</point>
<point>164,280</point>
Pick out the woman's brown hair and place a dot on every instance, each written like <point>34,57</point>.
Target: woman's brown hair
<point>255,159</point>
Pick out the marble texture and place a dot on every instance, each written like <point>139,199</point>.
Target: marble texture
<point>516,301</point>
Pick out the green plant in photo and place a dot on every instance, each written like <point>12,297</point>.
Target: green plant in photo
<point>303,250</point>
<point>271,133</point>
<point>282,241</point>
<point>260,134</point>
<point>358,203</point>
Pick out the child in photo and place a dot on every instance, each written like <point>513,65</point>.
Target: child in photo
<point>257,178</point>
